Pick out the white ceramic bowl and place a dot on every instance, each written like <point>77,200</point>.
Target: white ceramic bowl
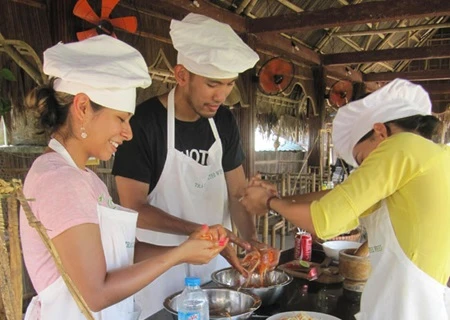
<point>332,248</point>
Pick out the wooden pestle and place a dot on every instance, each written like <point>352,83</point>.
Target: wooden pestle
<point>363,250</point>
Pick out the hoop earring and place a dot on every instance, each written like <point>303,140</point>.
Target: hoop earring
<point>83,133</point>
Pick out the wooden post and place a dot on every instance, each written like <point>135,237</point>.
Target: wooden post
<point>316,122</point>
<point>248,119</point>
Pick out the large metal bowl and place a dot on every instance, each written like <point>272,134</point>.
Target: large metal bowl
<point>274,283</point>
<point>224,304</point>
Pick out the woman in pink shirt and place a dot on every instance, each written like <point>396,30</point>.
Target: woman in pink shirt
<point>86,106</point>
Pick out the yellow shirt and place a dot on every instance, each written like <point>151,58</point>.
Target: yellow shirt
<point>413,175</point>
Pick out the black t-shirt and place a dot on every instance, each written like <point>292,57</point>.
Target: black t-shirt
<point>143,157</point>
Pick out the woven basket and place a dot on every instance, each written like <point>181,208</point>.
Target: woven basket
<point>354,235</point>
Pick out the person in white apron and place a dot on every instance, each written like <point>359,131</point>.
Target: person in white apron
<point>94,238</point>
<point>399,193</point>
<point>196,184</point>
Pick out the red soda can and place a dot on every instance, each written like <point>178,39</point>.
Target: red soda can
<point>298,245</point>
<point>306,246</point>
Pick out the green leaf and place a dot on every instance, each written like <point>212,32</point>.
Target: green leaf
<point>5,106</point>
<point>7,74</point>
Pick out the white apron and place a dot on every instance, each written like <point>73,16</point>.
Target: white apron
<point>190,191</point>
<point>397,288</point>
<point>117,228</point>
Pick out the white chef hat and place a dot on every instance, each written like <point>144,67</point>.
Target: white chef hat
<point>398,99</point>
<point>104,68</point>
<point>210,48</point>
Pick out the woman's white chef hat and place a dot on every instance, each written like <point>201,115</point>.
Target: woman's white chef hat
<point>104,68</point>
<point>398,99</point>
<point>210,48</point>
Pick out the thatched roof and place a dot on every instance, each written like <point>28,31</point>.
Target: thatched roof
<point>367,42</point>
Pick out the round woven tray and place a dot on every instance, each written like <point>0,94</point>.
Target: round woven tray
<point>354,235</point>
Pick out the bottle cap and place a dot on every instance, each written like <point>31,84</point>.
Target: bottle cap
<point>192,281</point>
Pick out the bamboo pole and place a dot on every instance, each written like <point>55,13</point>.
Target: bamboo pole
<point>33,222</point>
<point>2,309</point>
<point>5,272</point>
<point>15,256</point>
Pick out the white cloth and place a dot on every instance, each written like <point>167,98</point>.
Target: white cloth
<point>398,99</point>
<point>191,191</point>
<point>397,288</point>
<point>210,48</point>
<point>117,229</point>
<point>105,68</point>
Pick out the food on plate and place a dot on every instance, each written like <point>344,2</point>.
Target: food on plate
<point>299,316</point>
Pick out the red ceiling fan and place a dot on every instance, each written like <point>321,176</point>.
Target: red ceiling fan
<point>275,76</point>
<point>341,93</point>
<point>103,24</point>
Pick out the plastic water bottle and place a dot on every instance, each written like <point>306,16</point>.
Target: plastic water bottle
<point>193,301</point>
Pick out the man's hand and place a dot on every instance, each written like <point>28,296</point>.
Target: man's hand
<point>255,200</point>
<point>256,181</point>
<point>230,255</point>
<point>269,256</point>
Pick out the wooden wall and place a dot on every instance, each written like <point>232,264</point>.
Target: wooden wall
<point>44,23</point>
<point>279,162</point>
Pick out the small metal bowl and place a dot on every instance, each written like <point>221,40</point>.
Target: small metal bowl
<point>224,304</point>
<point>274,283</point>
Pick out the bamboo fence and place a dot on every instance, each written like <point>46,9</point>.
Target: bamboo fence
<point>11,264</point>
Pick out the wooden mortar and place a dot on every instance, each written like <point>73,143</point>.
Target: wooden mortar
<point>353,267</point>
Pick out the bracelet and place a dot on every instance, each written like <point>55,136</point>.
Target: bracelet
<point>270,199</point>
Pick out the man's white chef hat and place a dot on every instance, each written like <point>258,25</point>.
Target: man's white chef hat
<point>104,68</point>
<point>210,48</point>
<point>398,99</point>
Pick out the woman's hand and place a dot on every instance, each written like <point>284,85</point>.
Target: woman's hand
<point>214,233</point>
<point>229,253</point>
<point>203,245</point>
<point>255,200</point>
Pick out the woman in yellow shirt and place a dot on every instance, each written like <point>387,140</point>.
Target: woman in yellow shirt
<point>399,192</point>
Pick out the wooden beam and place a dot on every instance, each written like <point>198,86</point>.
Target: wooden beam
<point>436,88</point>
<point>440,98</point>
<point>340,72</point>
<point>433,52</point>
<point>283,47</point>
<point>32,3</point>
<point>423,75</point>
<point>376,11</point>
<point>390,30</point>
<point>179,8</point>
<point>153,36</point>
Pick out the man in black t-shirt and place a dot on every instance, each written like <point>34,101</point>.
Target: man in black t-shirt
<point>183,167</point>
<point>143,157</point>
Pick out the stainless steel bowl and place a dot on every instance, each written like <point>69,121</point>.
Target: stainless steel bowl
<point>273,284</point>
<point>224,303</point>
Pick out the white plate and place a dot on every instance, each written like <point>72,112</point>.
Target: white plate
<point>315,315</point>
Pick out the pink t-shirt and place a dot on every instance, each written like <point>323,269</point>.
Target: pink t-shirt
<point>64,197</point>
